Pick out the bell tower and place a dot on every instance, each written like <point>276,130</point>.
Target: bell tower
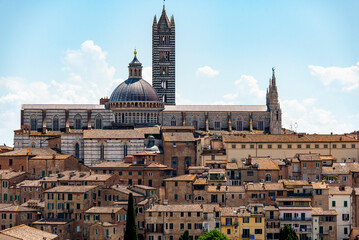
<point>163,58</point>
<point>274,106</point>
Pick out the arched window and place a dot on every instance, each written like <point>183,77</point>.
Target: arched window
<point>217,125</point>
<point>164,84</point>
<point>277,115</point>
<point>135,72</point>
<point>33,145</point>
<point>164,98</point>
<point>102,152</point>
<point>98,122</point>
<point>55,123</point>
<point>78,122</point>
<point>239,125</point>
<point>173,121</point>
<point>268,177</point>
<point>116,117</point>
<point>33,123</point>
<point>77,150</point>
<point>199,198</point>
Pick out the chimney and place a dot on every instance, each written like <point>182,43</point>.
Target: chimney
<point>54,156</point>
<point>249,160</point>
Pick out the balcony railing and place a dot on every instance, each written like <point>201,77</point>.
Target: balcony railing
<point>291,194</point>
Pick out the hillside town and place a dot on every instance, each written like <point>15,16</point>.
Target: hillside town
<point>233,168</point>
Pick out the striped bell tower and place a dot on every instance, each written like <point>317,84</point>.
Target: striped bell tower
<point>163,58</point>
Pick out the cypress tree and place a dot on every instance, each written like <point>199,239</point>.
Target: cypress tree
<point>131,226</point>
<point>287,233</point>
<point>185,236</point>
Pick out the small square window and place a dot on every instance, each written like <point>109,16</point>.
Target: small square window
<point>260,146</point>
<point>344,145</point>
<point>289,146</point>
<point>252,146</point>
<point>316,145</point>
<point>243,146</point>
<point>279,146</point>
<point>233,146</point>
<point>269,146</point>
<point>307,146</point>
<point>325,145</point>
<point>353,145</point>
<point>299,146</point>
<point>334,146</point>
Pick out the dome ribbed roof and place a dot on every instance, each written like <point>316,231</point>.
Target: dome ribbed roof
<point>134,89</point>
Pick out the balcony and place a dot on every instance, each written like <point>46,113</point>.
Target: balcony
<point>292,194</point>
<point>295,219</point>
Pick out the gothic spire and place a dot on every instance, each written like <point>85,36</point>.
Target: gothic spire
<point>273,77</point>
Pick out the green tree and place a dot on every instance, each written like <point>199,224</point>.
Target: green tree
<point>131,226</point>
<point>213,235</point>
<point>287,233</point>
<point>185,236</point>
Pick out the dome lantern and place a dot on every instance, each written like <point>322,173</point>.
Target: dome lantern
<point>135,68</point>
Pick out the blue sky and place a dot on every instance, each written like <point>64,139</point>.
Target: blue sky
<point>78,51</point>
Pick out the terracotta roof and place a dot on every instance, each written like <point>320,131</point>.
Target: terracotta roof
<point>178,137</point>
<point>321,212</point>
<point>70,189</point>
<point>264,187</point>
<point>232,166</point>
<point>286,138</point>
<point>176,208</point>
<point>109,209</point>
<point>76,176</point>
<point>294,208</point>
<point>346,190</point>
<point>53,156</point>
<point>288,182</point>
<point>177,127</point>
<point>9,174</point>
<point>34,203</point>
<point>110,164</point>
<point>54,221</point>
<point>227,189</point>
<point>265,163</point>
<point>29,183</point>
<point>145,187</point>
<point>201,181</point>
<point>217,170</point>
<point>124,189</point>
<point>27,233</point>
<point>309,157</point>
<point>234,211</point>
<point>188,177</point>
<point>340,168</point>
<point>32,152</point>
<point>320,185</point>
<point>17,208</point>
<point>215,108</point>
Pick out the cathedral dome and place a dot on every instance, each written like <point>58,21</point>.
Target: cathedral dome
<point>134,89</point>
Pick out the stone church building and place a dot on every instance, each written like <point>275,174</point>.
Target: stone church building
<point>90,131</point>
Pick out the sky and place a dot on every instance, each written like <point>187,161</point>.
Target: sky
<point>78,51</point>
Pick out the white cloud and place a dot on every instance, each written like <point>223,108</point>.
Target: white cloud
<point>312,119</point>
<point>206,71</point>
<point>247,91</point>
<point>89,77</point>
<point>348,77</point>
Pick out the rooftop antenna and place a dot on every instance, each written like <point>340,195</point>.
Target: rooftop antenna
<point>164,3</point>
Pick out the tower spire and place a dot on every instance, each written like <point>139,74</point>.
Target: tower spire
<point>273,77</point>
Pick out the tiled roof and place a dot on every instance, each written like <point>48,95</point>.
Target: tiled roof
<point>118,134</point>
<point>178,137</point>
<point>17,208</point>
<point>341,168</point>
<point>9,174</point>
<point>234,211</point>
<point>292,199</point>
<point>201,181</point>
<point>29,151</point>
<point>188,177</point>
<point>145,187</point>
<point>124,189</point>
<point>288,182</point>
<point>264,187</point>
<point>215,108</point>
<point>52,221</point>
<point>309,157</point>
<point>265,163</point>
<point>76,176</point>
<point>319,185</point>
<point>345,190</point>
<point>27,233</point>
<point>70,189</point>
<point>286,138</point>
<point>53,156</point>
<point>109,209</point>
<point>320,211</point>
<point>176,208</point>
<point>227,189</point>
<point>29,183</point>
<point>294,208</point>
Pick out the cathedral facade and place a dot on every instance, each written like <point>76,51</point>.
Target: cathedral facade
<point>136,104</point>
